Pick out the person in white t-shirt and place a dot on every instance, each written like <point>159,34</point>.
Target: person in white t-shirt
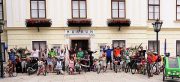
<point>62,54</point>
<point>35,54</point>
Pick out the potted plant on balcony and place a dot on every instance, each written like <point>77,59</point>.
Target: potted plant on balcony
<point>38,23</point>
<point>79,23</point>
<point>118,22</point>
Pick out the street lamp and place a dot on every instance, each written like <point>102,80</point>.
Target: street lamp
<point>1,57</point>
<point>157,27</point>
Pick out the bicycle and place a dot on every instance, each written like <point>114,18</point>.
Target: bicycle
<point>127,65</point>
<point>100,66</point>
<point>156,67</point>
<point>7,71</point>
<point>134,66</point>
<point>143,68</point>
<point>149,69</point>
<point>118,64</point>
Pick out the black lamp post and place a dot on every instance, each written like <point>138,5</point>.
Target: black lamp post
<point>157,27</point>
<point>1,57</point>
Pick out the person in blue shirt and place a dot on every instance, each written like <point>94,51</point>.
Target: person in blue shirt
<point>12,55</point>
<point>108,56</point>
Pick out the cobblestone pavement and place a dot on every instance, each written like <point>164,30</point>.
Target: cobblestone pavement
<point>109,76</point>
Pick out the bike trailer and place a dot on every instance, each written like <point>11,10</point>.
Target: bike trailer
<point>172,67</point>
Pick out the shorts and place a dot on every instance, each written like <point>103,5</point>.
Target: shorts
<point>108,59</point>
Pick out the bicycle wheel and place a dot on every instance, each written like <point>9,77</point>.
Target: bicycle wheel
<point>79,71</point>
<point>149,70</point>
<point>144,70</point>
<point>14,74</point>
<point>127,68</point>
<point>123,66</point>
<point>116,68</point>
<point>98,69</point>
<point>85,69</point>
<point>28,71</point>
<point>94,69</point>
<point>104,69</point>
<point>133,69</point>
<point>164,75</point>
<point>158,68</point>
<point>67,69</point>
<point>155,69</point>
<point>57,72</point>
<point>4,73</point>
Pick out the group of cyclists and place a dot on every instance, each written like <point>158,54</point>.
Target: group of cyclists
<point>76,60</point>
<point>136,60</point>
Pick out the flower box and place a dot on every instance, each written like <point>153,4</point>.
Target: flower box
<point>79,22</point>
<point>38,23</point>
<point>118,22</point>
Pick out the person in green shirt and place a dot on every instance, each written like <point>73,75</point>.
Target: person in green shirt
<point>52,53</point>
<point>80,54</point>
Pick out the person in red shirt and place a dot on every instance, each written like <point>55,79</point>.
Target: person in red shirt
<point>117,52</point>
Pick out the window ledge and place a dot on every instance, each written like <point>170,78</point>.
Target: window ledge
<point>177,21</point>
<point>151,21</point>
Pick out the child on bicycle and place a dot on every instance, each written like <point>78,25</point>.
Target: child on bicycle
<point>41,67</point>
<point>59,65</point>
<point>103,59</point>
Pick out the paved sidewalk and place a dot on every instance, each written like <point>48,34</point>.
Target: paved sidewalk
<point>109,76</point>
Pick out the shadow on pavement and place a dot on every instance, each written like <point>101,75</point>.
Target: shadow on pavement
<point>172,80</point>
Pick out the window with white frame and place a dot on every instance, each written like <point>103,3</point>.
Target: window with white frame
<point>153,9</point>
<point>38,8</point>
<point>118,9</point>
<point>79,9</point>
